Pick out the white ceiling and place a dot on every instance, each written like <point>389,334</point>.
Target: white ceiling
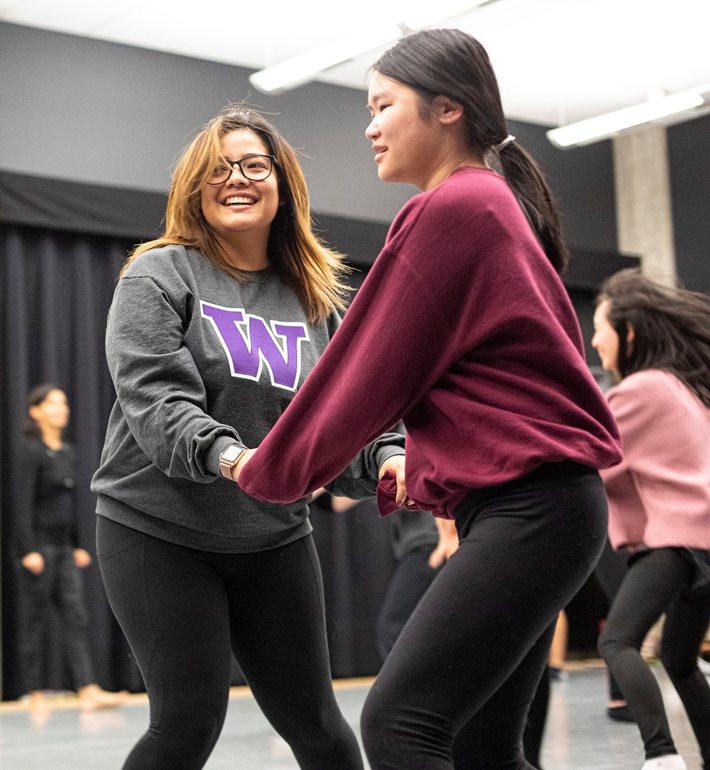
<point>556,60</point>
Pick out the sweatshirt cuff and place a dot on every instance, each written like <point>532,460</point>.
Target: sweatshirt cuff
<point>218,446</point>
<point>387,496</point>
<point>385,452</point>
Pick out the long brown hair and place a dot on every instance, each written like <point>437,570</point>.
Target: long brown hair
<point>449,62</point>
<point>671,328</point>
<point>314,271</point>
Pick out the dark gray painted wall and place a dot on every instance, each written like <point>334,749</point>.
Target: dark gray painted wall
<point>90,111</point>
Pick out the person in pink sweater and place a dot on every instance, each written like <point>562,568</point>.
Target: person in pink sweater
<point>464,331</point>
<point>657,341</point>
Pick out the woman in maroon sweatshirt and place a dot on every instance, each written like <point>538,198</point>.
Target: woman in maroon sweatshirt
<point>464,331</point>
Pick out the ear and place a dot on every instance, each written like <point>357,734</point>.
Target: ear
<point>630,334</point>
<point>33,412</point>
<point>446,110</point>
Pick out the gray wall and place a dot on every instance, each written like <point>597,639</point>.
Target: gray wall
<point>90,111</point>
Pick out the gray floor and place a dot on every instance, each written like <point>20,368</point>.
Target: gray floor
<point>578,737</point>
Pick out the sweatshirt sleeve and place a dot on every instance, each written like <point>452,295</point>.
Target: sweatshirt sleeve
<point>394,343</point>
<point>25,533</point>
<point>158,386</point>
<point>359,479</point>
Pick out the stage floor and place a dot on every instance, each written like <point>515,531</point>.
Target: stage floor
<point>578,736</point>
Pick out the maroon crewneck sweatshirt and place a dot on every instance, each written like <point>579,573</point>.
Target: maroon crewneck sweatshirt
<point>464,331</point>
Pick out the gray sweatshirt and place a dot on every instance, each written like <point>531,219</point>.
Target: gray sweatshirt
<point>200,361</point>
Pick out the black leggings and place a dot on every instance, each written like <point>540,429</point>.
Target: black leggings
<point>185,611</point>
<point>411,578</point>
<point>654,585</point>
<point>610,572</point>
<point>61,586</point>
<point>476,646</point>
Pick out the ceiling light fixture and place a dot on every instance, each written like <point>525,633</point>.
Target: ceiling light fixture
<point>304,67</point>
<point>667,108</point>
<point>300,69</point>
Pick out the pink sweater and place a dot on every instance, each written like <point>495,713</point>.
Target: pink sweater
<point>660,493</point>
<point>464,331</point>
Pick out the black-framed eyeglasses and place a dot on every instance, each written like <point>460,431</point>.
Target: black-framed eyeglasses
<point>256,168</point>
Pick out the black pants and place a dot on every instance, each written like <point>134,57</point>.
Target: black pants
<point>60,586</point>
<point>610,572</point>
<point>653,585</point>
<point>185,611</point>
<point>477,644</point>
<point>410,580</point>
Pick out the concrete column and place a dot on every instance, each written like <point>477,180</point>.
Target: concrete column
<point>643,201</point>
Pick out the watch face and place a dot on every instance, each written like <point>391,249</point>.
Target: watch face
<point>231,453</point>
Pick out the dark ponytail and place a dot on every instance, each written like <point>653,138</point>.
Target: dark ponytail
<point>451,63</point>
<point>530,186</point>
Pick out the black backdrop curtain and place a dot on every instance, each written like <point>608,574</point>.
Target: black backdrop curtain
<point>55,288</point>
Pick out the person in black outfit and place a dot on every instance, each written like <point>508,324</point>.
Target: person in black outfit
<point>50,558</point>
<point>414,538</point>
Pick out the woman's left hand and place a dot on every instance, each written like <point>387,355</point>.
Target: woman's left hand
<point>243,460</point>
<point>395,465</point>
<point>82,558</point>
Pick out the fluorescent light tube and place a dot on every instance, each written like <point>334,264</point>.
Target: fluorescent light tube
<point>604,126</point>
<point>427,16</point>
<point>304,67</point>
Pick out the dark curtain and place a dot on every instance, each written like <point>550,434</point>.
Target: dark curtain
<point>56,289</point>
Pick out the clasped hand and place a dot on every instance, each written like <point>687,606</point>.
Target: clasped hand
<point>394,464</point>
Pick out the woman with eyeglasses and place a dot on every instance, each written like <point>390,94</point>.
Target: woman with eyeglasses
<point>213,328</point>
<point>656,341</point>
<point>464,331</point>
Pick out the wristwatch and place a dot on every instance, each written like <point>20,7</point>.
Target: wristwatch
<point>229,458</point>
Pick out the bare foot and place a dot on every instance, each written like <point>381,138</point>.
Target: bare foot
<point>92,698</point>
<point>38,701</point>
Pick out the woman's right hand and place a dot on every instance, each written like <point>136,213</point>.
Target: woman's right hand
<point>33,562</point>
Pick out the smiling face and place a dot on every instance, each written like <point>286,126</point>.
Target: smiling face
<point>240,211</point>
<point>416,141</point>
<point>404,140</point>
<point>605,340</point>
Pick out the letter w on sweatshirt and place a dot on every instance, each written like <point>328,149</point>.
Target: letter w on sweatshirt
<point>250,342</point>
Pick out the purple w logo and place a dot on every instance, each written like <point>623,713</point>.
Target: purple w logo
<point>249,344</point>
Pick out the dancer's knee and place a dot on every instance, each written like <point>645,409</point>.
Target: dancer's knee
<point>610,644</point>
